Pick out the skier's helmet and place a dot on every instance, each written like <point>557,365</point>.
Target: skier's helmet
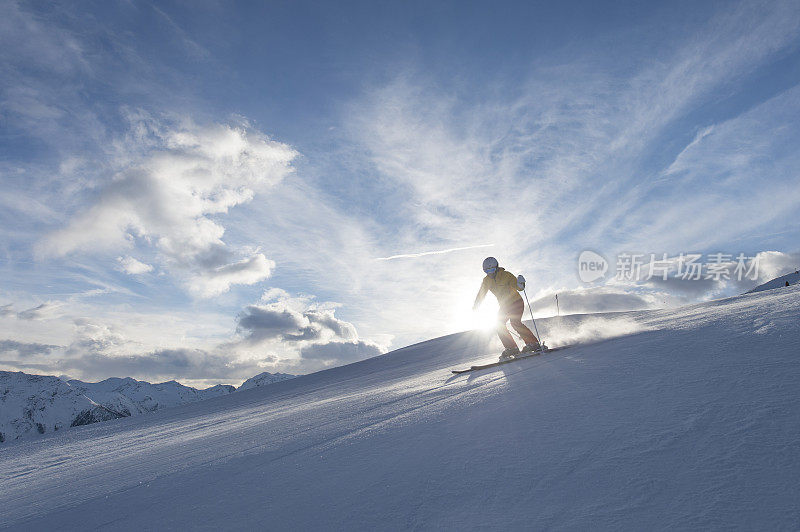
<point>490,265</point>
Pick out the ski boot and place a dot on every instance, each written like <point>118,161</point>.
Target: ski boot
<point>534,349</point>
<point>509,353</point>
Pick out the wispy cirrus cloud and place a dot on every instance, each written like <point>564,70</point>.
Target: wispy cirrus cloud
<point>567,163</point>
<point>42,311</point>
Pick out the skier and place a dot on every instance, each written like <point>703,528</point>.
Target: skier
<point>506,287</point>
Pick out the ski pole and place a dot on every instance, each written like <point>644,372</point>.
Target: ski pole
<point>541,340</point>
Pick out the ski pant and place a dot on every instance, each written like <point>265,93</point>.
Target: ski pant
<point>513,313</point>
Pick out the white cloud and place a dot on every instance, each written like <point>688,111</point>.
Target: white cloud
<point>338,353</point>
<point>293,320</point>
<point>280,333</point>
<point>219,280</point>
<point>772,264</point>
<point>175,179</point>
<point>132,266</point>
<point>309,334</point>
<point>93,336</point>
<point>107,343</point>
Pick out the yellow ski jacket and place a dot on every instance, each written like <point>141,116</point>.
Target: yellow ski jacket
<point>503,285</point>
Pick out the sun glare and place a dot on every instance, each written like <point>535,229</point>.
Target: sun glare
<point>484,318</point>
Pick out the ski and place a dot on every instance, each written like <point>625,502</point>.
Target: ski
<point>510,360</point>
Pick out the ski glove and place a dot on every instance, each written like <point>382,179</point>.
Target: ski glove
<point>520,283</point>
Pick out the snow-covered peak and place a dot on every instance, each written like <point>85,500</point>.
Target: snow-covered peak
<point>262,379</point>
<point>37,404</point>
<point>216,391</point>
<point>130,397</point>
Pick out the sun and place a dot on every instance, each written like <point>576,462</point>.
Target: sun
<point>485,318</point>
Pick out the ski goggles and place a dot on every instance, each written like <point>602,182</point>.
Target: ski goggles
<point>490,271</point>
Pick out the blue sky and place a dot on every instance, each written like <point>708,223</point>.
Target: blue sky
<point>202,191</point>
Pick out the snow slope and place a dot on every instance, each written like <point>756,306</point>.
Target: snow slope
<point>683,419</point>
<point>778,282</point>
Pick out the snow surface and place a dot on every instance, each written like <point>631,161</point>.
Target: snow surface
<point>778,282</point>
<point>678,419</point>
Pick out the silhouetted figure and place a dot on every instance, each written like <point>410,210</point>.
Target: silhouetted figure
<point>787,283</point>
<point>505,286</point>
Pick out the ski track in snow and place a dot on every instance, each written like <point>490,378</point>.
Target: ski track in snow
<point>688,419</point>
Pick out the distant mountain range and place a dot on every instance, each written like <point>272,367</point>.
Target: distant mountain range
<point>36,404</point>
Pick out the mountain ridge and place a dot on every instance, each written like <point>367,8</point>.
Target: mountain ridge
<point>31,405</point>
